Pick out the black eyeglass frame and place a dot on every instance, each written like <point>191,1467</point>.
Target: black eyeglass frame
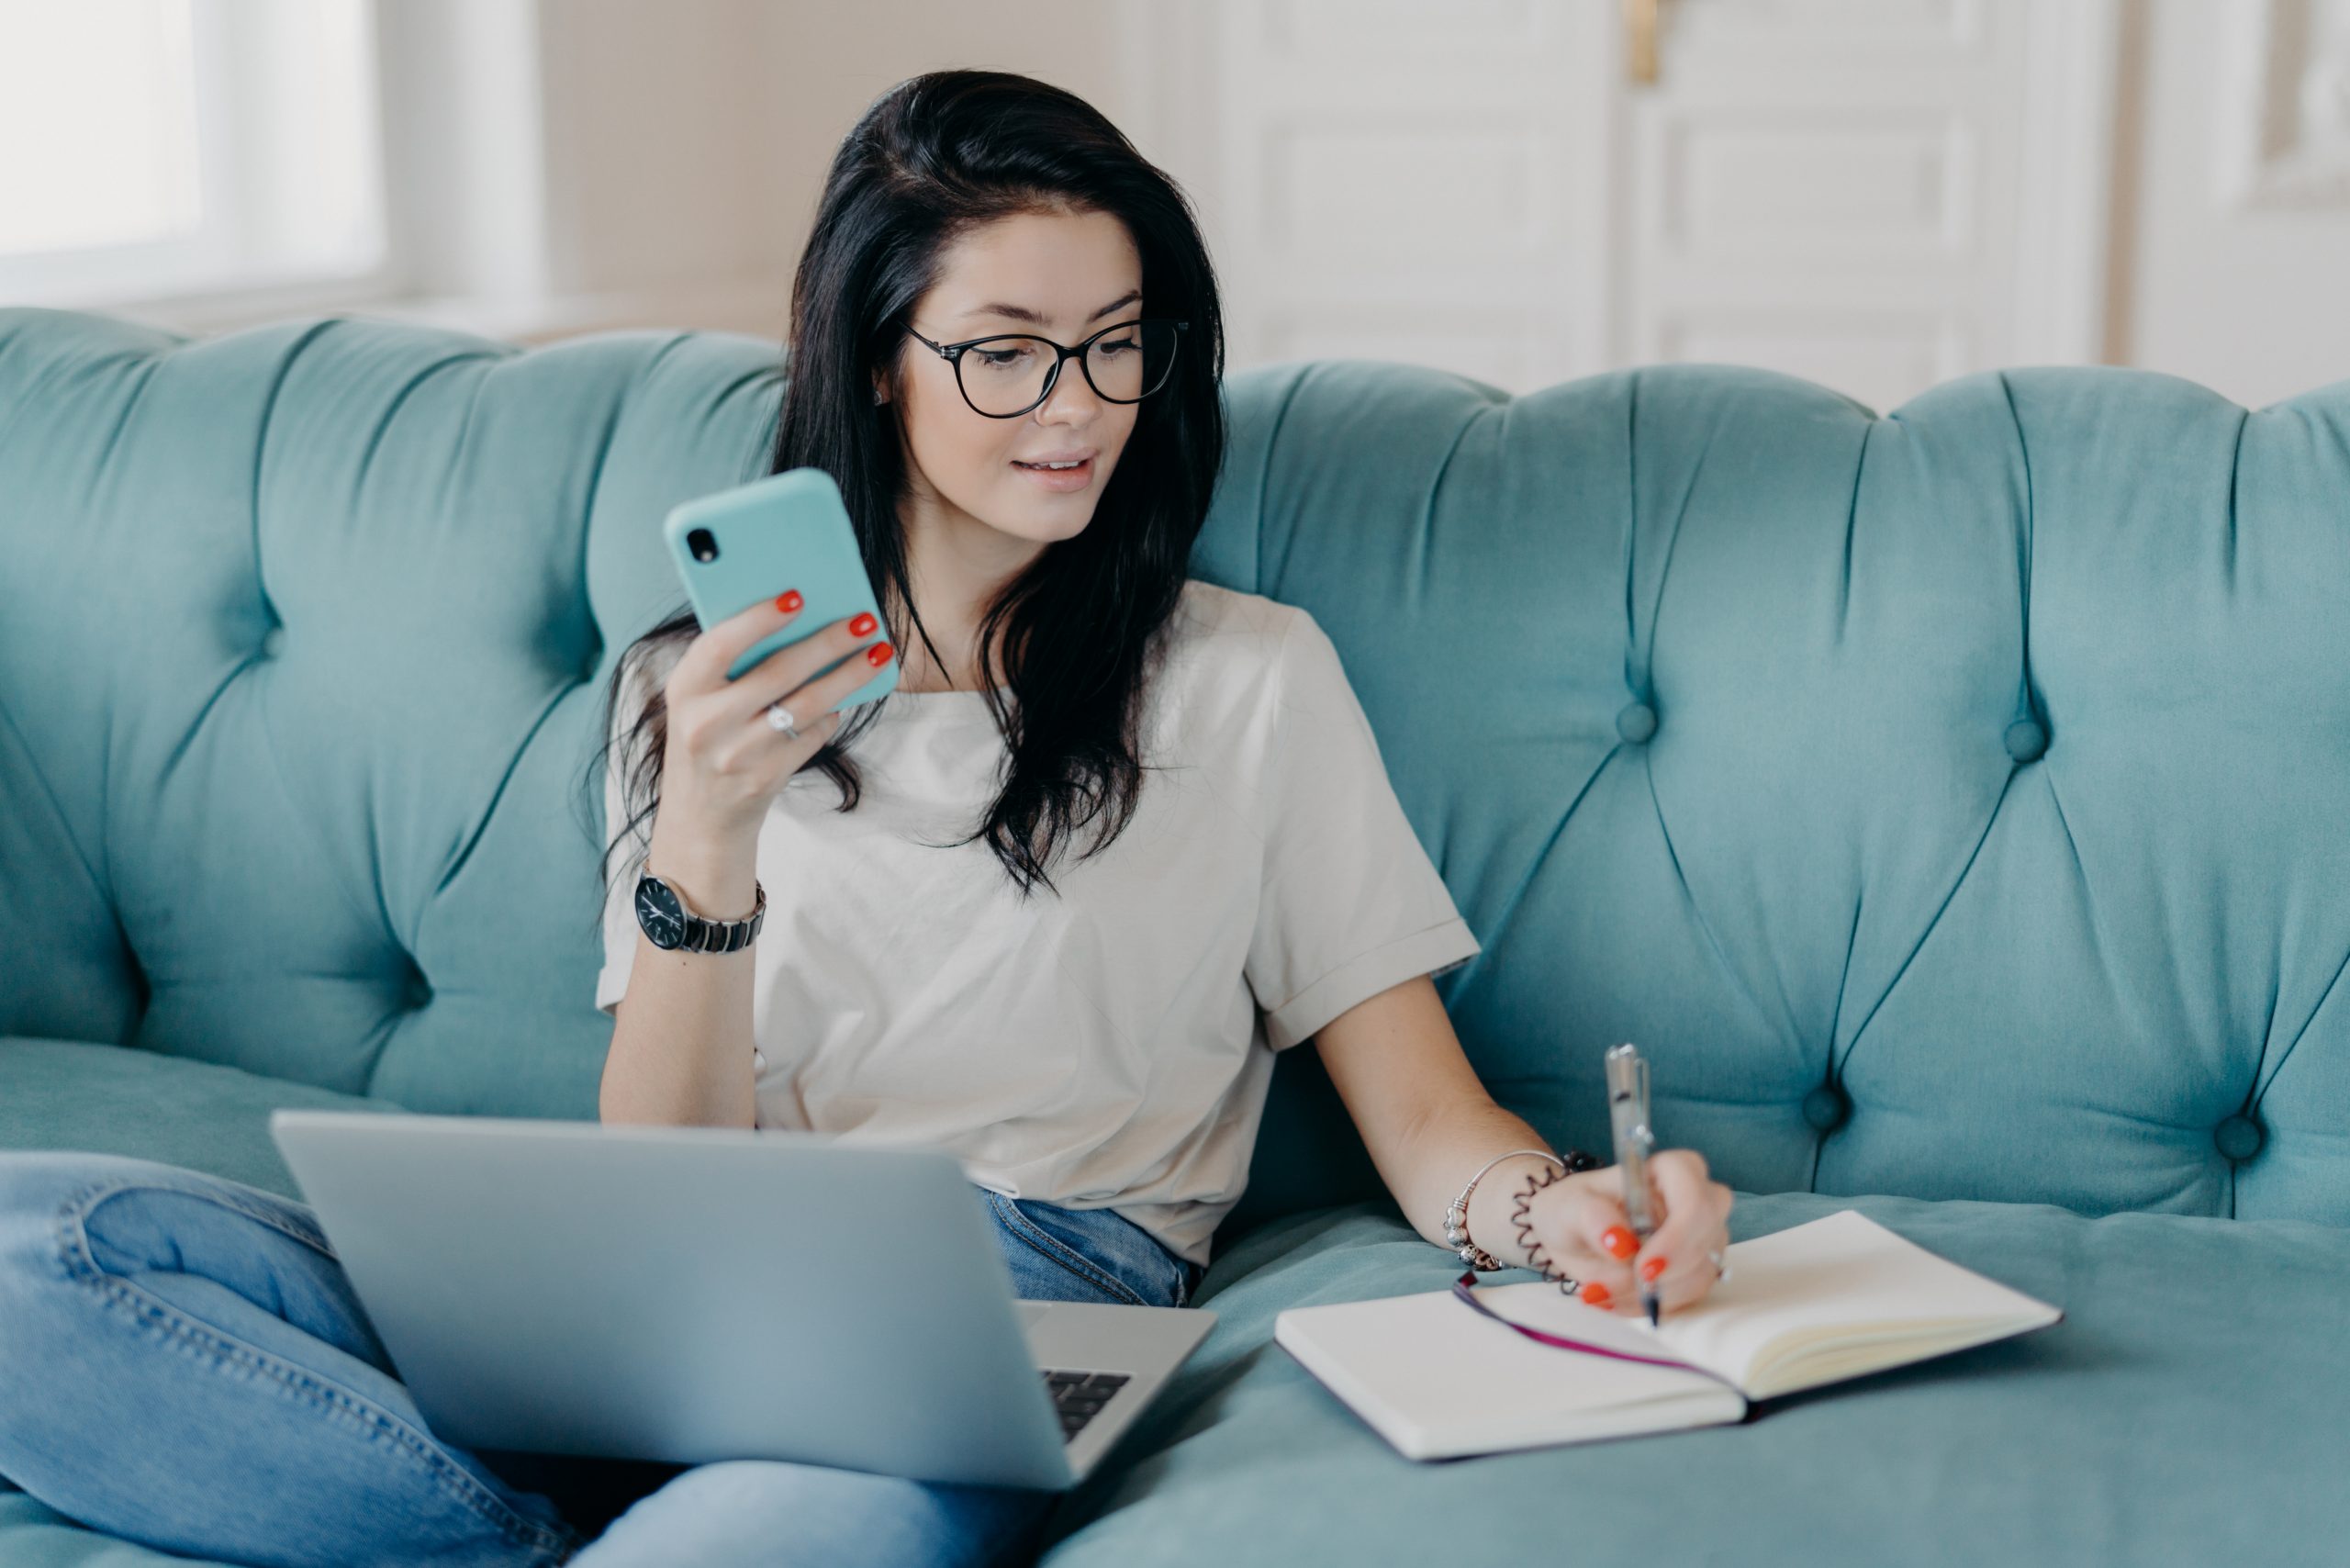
<point>952,354</point>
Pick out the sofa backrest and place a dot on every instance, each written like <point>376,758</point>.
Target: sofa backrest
<point>303,634</point>
<point>1953,803</point>
<point>1971,818</point>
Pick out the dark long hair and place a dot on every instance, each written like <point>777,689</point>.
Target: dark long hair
<point>935,156</point>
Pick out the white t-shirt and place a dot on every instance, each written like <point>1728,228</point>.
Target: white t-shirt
<point>1110,1045</point>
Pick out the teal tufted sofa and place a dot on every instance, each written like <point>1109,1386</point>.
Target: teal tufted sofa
<point>1954,804</point>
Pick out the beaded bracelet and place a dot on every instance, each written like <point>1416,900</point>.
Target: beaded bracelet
<point>1456,1218</point>
<point>1577,1160</point>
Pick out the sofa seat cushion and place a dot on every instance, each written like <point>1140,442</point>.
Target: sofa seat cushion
<point>2192,1408</point>
<point>120,1100</point>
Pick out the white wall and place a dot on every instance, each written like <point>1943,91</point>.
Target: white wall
<point>688,139</point>
<point>2251,300</point>
<point>694,137</point>
<point>624,163</point>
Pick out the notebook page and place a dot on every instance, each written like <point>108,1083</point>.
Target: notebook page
<point>1437,1380</point>
<point>1841,1281</point>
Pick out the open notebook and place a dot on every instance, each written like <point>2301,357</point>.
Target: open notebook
<point>1815,1304</point>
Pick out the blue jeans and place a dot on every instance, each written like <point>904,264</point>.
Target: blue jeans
<point>182,1364</point>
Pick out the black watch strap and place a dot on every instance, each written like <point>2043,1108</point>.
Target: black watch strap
<point>673,927</point>
<point>705,935</point>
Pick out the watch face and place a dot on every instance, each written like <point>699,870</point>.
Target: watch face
<point>658,912</point>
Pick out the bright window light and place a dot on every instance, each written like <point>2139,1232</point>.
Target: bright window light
<point>155,148</point>
<point>97,115</point>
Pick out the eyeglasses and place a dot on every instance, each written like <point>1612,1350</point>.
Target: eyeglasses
<point>1005,376</point>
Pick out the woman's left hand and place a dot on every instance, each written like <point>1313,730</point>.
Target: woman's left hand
<point>1583,1228</point>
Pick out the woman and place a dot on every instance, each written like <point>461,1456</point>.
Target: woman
<point>185,1364</point>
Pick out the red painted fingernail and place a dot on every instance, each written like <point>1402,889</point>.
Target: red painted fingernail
<point>862,624</point>
<point>1653,1268</point>
<point>877,655</point>
<point>1595,1294</point>
<point>789,601</point>
<point>1619,1242</point>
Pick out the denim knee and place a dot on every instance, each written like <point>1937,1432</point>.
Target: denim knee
<point>42,1181</point>
<point>36,1291</point>
<point>36,1187</point>
<point>122,1392</point>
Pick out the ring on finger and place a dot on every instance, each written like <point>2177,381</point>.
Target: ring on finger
<point>1722,1264</point>
<point>780,718</point>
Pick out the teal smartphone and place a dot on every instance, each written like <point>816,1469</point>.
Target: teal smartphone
<point>787,530</point>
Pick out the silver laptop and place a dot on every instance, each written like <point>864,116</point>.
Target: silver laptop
<point>697,1293</point>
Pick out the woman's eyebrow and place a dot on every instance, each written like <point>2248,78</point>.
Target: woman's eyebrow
<point>1021,313</point>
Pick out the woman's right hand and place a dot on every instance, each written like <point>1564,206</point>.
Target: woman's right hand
<point>723,762</point>
<point>1582,1226</point>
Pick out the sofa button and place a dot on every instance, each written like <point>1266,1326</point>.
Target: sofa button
<point>1636,721</point>
<point>2239,1137</point>
<point>1826,1107</point>
<point>415,991</point>
<point>2026,740</point>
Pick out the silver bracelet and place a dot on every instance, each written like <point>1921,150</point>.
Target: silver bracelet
<point>1456,1218</point>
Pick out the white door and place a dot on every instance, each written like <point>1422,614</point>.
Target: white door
<point>1875,195</point>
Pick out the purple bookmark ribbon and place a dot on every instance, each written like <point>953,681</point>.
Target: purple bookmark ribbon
<point>1460,1287</point>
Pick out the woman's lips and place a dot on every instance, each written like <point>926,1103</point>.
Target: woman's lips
<point>1075,478</point>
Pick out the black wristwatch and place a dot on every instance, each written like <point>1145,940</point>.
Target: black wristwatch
<point>674,927</point>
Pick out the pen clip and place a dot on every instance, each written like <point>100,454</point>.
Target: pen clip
<point>1627,1115</point>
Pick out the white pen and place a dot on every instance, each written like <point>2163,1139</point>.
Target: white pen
<point>1627,1117</point>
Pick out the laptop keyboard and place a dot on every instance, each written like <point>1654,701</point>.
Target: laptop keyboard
<point>1076,1396</point>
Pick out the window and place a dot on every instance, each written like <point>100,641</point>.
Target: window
<point>162,148</point>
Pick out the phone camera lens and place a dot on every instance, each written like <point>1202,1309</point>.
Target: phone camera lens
<point>702,545</point>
